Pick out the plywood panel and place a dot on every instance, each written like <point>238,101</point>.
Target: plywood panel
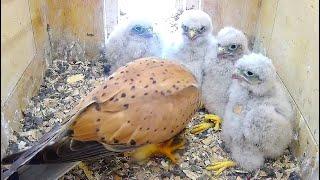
<point>241,14</point>
<point>77,20</point>
<point>16,54</point>
<point>294,47</point>
<point>14,17</point>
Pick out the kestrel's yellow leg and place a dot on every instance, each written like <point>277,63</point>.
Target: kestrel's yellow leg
<point>210,120</point>
<point>87,171</point>
<point>167,149</point>
<point>219,167</point>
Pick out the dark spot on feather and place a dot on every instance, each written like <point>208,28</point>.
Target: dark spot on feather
<point>166,70</point>
<point>148,64</point>
<point>156,91</point>
<point>151,78</point>
<point>104,87</point>
<point>146,86</point>
<point>97,106</point>
<point>116,100</point>
<point>155,130</point>
<point>171,131</point>
<point>126,80</point>
<point>116,83</point>
<point>164,128</point>
<point>97,130</point>
<point>98,120</point>
<point>140,128</point>
<point>128,122</point>
<point>148,142</point>
<point>161,64</point>
<point>132,96</point>
<point>153,82</point>
<point>123,95</point>
<point>140,81</point>
<point>103,140</point>
<point>138,74</point>
<point>162,93</point>
<point>74,123</point>
<point>115,140</point>
<point>110,78</point>
<point>122,72</point>
<point>127,71</point>
<point>145,94</point>
<point>132,87</point>
<point>132,142</point>
<point>168,91</point>
<point>103,94</point>
<point>144,118</point>
<point>178,81</point>
<point>174,86</point>
<point>126,106</point>
<point>131,80</point>
<point>111,98</point>
<point>148,129</point>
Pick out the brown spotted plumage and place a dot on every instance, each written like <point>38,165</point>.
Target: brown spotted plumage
<point>147,101</point>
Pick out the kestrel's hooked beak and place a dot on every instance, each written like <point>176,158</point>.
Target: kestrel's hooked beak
<point>192,34</point>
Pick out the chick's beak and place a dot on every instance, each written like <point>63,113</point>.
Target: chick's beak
<point>192,34</point>
<point>236,75</point>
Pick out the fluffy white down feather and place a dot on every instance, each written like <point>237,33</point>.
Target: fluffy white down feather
<point>123,46</point>
<point>218,70</point>
<point>192,53</point>
<point>259,118</point>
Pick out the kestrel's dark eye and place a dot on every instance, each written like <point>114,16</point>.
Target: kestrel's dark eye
<point>203,28</point>
<point>233,47</point>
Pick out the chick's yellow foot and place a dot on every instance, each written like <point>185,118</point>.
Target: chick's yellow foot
<point>86,170</point>
<point>167,149</point>
<point>219,167</point>
<point>210,121</point>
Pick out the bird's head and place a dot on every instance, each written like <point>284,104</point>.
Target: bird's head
<point>141,28</point>
<point>195,24</point>
<point>232,43</point>
<point>255,72</point>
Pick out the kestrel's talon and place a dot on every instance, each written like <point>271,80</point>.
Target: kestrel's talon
<point>167,149</point>
<point>210,120</point>
<point>87,171</point>
<point>219,167</point>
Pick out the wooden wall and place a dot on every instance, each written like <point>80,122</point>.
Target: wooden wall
<point>289,34</point>
<point>241,14</point>
<point>29,29</point>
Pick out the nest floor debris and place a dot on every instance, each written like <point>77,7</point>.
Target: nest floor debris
<point>66,81</point>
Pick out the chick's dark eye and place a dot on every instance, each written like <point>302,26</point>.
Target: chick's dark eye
<point>138,29</point>
<point>184,27</point>
<point>249,73</point>
<point>233,47</point>
<point>203,28</point>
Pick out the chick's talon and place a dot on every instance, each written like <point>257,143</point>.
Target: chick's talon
<point>197,129</point>
<point>219,167</point>
<point>210,121</point>
<point>214,119</point>
<point>166,148</point>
